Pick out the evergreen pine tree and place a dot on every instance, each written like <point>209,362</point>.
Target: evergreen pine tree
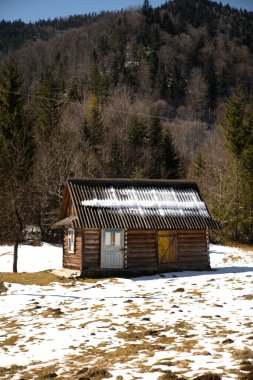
<point>10,101</point>
<point>145,34</point>
<point>155,132</point>
<point>48,108</point>
<point>15,157</point>
<point>98,85</point>
<point>237,134</point>
<point>93,125</point>
<point>115,160</point>
<point>198,165</point>
<point>177,86</point>
<point>247,174</point>
<point>136,131</point>
<point>171,161</point>
<point>153,57</point>
<point>161,81</point>
<point>212,83</point>
<point>146,10</point>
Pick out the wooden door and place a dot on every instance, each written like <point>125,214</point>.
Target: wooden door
<point>167,247</point>
<point>112,254</point>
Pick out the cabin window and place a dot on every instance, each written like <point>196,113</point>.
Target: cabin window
<point>71,240</point>
<point>112,238</point>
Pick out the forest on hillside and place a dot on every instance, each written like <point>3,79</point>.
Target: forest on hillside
<point>160,92</point>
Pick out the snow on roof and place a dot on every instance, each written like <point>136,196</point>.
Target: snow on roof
<point>143,204</point>
<point>164,202</point>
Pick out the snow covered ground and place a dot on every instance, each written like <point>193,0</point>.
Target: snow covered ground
<point>183,324</point>
<point>31,259</point>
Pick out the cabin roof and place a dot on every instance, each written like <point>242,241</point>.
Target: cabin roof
<point>138,204</point>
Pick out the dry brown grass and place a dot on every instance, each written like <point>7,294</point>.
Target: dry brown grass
<point>11,341</point>
<point>232,258</point>
<point>195,293</point>
<point>243,247</point>
<point>42,373</point>
<point>52,313</point>
<point>8,373</point>
<point>38,278</point>
<point>169,375</point>
<point>3,288</point>
<point>248,297</point>
<point>94,373</point>
<point>139,332</point>
<point>246,354</point>
<point>186,345</point>
<point>10,324</point>
<point>182,328</point>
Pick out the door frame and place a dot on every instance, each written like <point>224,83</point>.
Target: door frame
<point>121,250</point>
<point>165,233</point>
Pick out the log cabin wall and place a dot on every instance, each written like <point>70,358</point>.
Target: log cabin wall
<point>193,250</point>
<point>91,249</point>
<point>73,260</point>
<point>141,250</point>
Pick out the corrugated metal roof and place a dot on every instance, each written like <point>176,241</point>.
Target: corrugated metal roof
<point>137,204</point>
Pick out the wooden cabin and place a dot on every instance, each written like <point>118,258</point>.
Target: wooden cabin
<point>127,227</point>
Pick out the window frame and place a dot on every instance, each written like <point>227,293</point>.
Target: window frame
<point>71,240</point>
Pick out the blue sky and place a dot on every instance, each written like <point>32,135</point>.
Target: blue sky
<point>32,10</point>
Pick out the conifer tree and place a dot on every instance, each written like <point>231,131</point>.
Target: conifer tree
<point>115,160</point>
<point>212,83</point>
<point>170,157</point>
<point>247,173</point>
<point>155,148</point>
<point>146,10</point>
<point>48,108</point>
<point>161,81</point>
<point>93,125</point>
<point>238,132</point>
<point>145,31</point>
<point>153,58</point>
<point>155,132</point>
<point>198,165</point>
<point>10,101</point>
<point>136,132</point>
<point>98,84</point>
<point>15,156</point>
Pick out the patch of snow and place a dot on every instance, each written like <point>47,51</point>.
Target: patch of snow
<point>31,259</point>
<point>199,329</point>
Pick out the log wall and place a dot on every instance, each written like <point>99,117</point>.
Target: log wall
<point>73,260</point>
<point>91,251</point>
<point>193,252</point>
<point>141,249</point>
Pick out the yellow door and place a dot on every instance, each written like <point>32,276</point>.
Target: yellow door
<point>167,247</point>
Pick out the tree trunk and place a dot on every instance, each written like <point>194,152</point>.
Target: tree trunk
<point>251,211</point>
<point>15,256</point>
<point>18,238</point>
<point>237,205</point>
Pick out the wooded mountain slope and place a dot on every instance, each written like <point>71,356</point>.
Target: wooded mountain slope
<point>138,93</point>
